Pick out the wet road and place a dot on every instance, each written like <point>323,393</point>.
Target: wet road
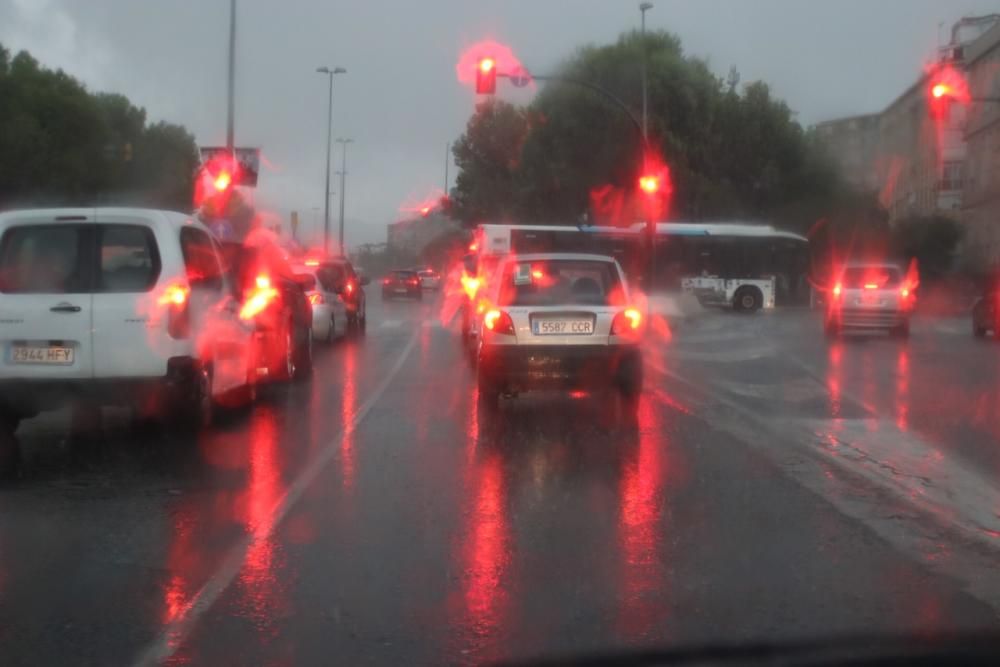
<point>777,486</point>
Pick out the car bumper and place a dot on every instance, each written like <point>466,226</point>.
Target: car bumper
<point>861,318</point>
<point>29,397</point>
<point>522,367</point>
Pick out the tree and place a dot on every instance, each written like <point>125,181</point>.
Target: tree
<point>730,153</point>
<point>61,145</point>
<point>932,241</point>
<point>488,155</point>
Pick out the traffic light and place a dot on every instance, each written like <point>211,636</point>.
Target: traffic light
<point>649,184</point>
<point>486,77</point>
<point>945,86</point>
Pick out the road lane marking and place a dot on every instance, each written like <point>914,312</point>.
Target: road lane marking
<point>175,633</point>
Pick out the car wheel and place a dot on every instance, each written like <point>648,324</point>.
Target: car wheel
<point>978,331</point>
<point>289,353</point>
<point>748,300</point>
<point>630,384</point>
<point>831,329</point>
<point>331,333</point>
<point>304,360</point>
<point>195,409</point>
<point>363,320</point>
<point>901,331</point>
<point>10,451</point>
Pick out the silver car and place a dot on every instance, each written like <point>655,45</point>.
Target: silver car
<point>429,279</point>
<point>559,321</point>
<point>868,296</point>
<point>328,308</point>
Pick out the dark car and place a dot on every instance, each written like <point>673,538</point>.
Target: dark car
<point>270,295</point>
<point>986,314</point>
<point>402,284</point>
<point>340,277</point>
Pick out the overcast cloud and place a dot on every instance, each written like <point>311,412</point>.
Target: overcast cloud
<point>400,101</point>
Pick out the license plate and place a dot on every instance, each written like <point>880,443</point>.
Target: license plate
<point>400,290</point>
<point>563,327</point>
<point>23,354</point>
<point>871,300</point>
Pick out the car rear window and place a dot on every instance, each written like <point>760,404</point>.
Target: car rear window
<point>879,276</point>
<point>44,259</point>
<point>404,275</point>
<point>129,258</point>
<point>559,282</point>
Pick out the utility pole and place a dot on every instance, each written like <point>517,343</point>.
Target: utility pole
<point>643,8</point>
<point>231,113</point>
<point>343,189</point>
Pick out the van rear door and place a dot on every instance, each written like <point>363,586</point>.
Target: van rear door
<point>46,305</point>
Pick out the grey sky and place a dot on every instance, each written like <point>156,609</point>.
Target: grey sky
<point>401,101</point>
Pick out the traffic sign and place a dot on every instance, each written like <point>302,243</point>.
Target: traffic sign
<point>247,159</point>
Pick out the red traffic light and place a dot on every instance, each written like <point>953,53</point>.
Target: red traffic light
<point>222,181</point>
<point>939,90</point>
<point>486,77</point>
<point>649,184</point>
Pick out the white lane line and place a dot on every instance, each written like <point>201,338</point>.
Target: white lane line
<point>174,634</point>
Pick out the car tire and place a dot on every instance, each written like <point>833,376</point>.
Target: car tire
<point>195,407</point>
<point>748,300</point>
<point>978,331</point>
<point>10,450</point>
<point>831,329</point>
<point>304,358</point>
<point>362,323</point>
<point>901,331</point>
<point>331,333</point>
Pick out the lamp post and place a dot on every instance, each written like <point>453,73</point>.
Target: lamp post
<point>329,130</point>
<point>343,189</point>
<point>643,8</point>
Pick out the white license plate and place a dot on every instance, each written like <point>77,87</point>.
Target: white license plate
<point>564,327</point>
<point>400,290</point>
<point>24,354</point>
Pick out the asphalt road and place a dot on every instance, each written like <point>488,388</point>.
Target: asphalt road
<point>777,487</point>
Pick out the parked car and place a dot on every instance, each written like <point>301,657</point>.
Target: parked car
<point>868,296</point>
<point>116,306</point>
<point>402,283</point>
<point>429,279</point>
<point>329,312</point>
<point>273,300</point>
<point>340,276</point>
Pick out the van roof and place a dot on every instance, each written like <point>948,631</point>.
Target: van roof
<point>102,215</point>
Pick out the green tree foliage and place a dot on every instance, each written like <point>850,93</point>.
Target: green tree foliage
<point>730,153</point>
<point>932,241</point>
<point>61,145</point>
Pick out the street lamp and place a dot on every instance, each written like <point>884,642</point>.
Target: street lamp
<point>643,8</point>
<point>343,188</point>
<point>329,130</point>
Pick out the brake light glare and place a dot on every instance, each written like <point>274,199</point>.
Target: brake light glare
<point>316,299</point>
<point>262,282</point>
<point>627,323</point>
<point>837,289</point>
<point>904,292</point>
<point>175,298</point>
<point>259,298</point>
<point>498,322</point>
<point>871,286</point>
<point>175,295</point>
<point>350,287</point>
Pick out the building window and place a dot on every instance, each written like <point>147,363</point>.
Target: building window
<point>951,176</point>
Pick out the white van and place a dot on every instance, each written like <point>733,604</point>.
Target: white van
<point>117,305</point>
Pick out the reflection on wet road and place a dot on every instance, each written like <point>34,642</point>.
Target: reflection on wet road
<point>354,519</point>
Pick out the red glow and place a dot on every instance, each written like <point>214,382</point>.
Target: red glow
<point>423,206</point>
<point>490,319</point>
<point>837,289</point>
<point>537,274</point>
<point>175,295</point>
<point>649,184</point>
<point>316,299</point>
<point>223,181</point>
<point>940,90</point>
<point>473,247</point>
<point>948,83</point>
<point>627,322</point>
<point>425,210</point>
<point>871,286</point>
<point>486,56</point>
<point>471,285</point>
<point>259,298</point>
<point>349,287</point>
<point>312,262</point>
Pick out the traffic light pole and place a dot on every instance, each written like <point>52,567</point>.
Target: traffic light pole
<point>329,139</point>
<point>231,113</point>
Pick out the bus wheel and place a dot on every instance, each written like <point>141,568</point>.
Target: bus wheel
<point>748,299</point>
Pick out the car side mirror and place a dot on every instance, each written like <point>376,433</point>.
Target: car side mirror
<point>305,281</point>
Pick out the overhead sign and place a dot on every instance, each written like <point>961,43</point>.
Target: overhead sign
<point>247,160</point>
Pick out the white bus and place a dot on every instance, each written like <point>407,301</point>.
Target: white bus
<point>736,264</point>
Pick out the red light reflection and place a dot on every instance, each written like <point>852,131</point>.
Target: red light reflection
<point>488,50</point>
<point>348,406</point>
<point>903,389</point>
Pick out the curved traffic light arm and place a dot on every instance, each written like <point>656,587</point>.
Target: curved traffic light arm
<point>607,94</point>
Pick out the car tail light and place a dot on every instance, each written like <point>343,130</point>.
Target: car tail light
<point>871,286</point>
<point>259,298</point>
<point>499,322</point>
<point>627,323</point>
<point>837,289</point>
<point>414,281</point>
<point>349,287</point>
<point>386,281</point>
<point>316,299</point>
<point>177,300</point>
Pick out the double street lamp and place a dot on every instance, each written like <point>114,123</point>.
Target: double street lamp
<point>343,189</point>
<point>329,137</point>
